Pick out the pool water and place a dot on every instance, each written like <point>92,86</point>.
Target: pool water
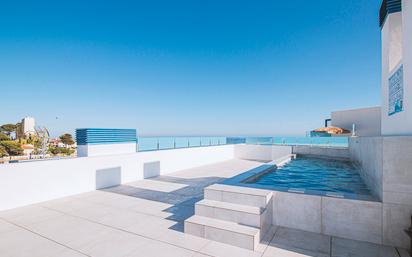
<point>313,174</point>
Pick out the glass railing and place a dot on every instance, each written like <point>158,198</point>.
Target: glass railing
<point>315,141</point>
<point>163,143</point>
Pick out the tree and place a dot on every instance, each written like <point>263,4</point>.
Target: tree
<point>42,140</point>
<point>12,147</point>
<point>3,151</point>
<point>67,139</point>
<point>4,137</point>
<point>61,151</point>
<point>8,128</point>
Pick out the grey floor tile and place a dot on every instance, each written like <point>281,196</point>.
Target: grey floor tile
<point>183,240</point>
<point>220,249</point>
<point>296,239</point>
<point>25,243</point>
<point>267,238</point>
<point>280,251</point>
<point>350,248</point>
<point>403,252</point>
<point>29,215</point>
<point>70,253</point>
<point>6,226</point>
<point>160,249</point>
<point>70,231</point>
<point>114,244</point>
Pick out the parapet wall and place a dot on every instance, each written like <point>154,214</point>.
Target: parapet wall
<point>367,120</point>
<point>366,152</point>
<point>261,152</point>
<point>319,151</point>
<point>32,182</point>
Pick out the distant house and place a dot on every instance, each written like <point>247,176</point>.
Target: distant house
<point>329,132</point>
<point>27,149</point>
<point>57,142</point>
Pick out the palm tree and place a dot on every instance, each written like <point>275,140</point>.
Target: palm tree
<point>8,128</point>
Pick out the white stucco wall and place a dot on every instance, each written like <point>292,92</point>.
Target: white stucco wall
<point>106,149</point>
<point>396,51</point>
<point>318,151</point>
<point>261,152</point>
<point>367,120</point>
<point>32,182</point>
<point>407,60</point>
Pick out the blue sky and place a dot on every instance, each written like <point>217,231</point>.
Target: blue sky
<point>188,67</point>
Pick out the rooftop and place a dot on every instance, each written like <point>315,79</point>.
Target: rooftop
<point>145,218</point>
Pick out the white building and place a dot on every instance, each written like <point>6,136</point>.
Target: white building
<point>396,24</point>
<point>394,117</point>
<point>365,121</point>
<point>27,127</point>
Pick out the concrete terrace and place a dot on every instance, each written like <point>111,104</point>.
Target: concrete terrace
<point>145,218</point>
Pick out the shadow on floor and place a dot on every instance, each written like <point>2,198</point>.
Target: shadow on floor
<point>183,199</point>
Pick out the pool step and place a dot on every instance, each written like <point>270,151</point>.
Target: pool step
<point>223,231</point>
<point>233,215</point>
<point>238,195</point>
<point>241,214</point>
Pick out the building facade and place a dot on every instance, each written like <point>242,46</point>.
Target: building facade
<point>396,88</point>
<point>26,127</point>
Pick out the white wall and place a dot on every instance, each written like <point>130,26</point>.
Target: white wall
<point>36,181</point>
<point>407,60</point>
<point>366,120</point>
<point>318,151</point>
<point>28,125</point>
<point>261,152</point>
<point>347,218</point>
<point>32,182</point>
<point>397,50</point>
<point>387,165</point>
<point>366,152</point>
<point>106,149</point>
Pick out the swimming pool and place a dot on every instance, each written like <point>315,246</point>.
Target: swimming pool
<point>307,175</point>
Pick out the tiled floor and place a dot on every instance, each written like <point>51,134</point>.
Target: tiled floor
<point>145,218</point>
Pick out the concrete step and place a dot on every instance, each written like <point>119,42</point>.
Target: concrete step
<point>223,231</point>
<point>238,195</point>
<point>241,214</point>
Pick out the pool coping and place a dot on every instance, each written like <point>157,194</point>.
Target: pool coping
<point>242,179</point>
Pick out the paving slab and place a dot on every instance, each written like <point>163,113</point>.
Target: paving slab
<point>219,250</point>
<point>22,242</point>
<point>7,226</point>
<point>183,240</point>
<point>157,248</point>
<point>157,185</point>
<point>71,231</point>
<point>29,215</point>
<point>298,239</point>
<point>279,251</point>
<point>114,244</point>
<point>350,248</point>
